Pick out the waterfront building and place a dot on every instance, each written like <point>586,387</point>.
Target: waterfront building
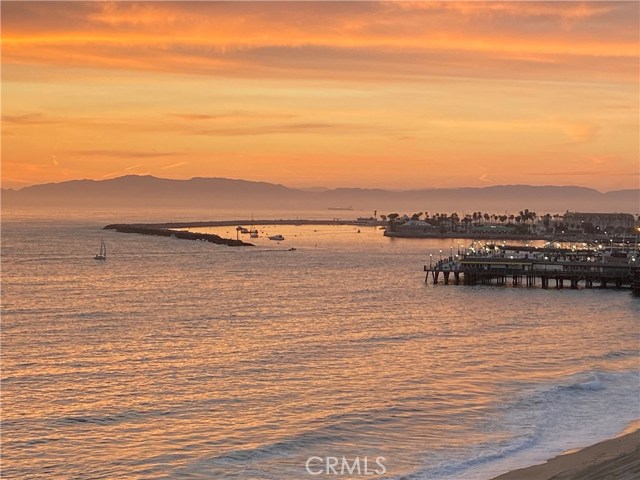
<point>601,221</point>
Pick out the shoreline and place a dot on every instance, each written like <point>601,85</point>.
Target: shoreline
<point>617,457</point>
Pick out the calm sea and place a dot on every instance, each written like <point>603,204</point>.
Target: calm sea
<point>177,359</point>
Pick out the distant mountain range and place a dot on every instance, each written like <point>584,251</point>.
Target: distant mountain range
<point>148,191</point>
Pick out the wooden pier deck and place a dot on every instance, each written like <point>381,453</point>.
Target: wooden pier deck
<point>532,272</point>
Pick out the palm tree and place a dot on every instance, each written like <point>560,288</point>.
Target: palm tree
<point>466,220</point>
<point>392,221</point>
<point>455,219</point>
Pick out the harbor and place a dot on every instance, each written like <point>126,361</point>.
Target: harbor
<point>545,267</point>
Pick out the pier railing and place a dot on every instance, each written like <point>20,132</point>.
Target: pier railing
<point>498,271</point>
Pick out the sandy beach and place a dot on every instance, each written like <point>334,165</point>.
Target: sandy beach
<point>617,458</point>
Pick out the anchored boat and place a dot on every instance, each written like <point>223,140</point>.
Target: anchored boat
<point>102,254</point>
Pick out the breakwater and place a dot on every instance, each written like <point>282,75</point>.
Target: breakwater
<point>160,231</point>
<point>233,223</point>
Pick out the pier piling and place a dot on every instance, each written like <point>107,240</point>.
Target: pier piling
<point>528,269</point>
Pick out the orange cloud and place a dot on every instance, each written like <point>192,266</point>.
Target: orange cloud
<point>350,91</point>
<point>274,39</point>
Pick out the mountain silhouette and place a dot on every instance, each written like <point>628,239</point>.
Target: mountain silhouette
<point>148,191</point>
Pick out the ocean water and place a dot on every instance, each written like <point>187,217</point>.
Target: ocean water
<point>187,360</point>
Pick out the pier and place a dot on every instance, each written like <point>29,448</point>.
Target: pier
<point>547,268</point>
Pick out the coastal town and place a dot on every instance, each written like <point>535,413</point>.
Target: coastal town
<point>525,224</point>
<point>581,249</point>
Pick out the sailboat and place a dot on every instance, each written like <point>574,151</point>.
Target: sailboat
<point>253,232</point>
<point>102,255</point>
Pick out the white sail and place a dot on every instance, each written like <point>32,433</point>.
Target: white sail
<point>102,255</point>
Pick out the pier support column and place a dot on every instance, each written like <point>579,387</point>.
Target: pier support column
<point>446,278</point>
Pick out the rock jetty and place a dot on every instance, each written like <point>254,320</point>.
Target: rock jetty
<point>165,232</point>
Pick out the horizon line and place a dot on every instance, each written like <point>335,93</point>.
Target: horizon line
<point>319,188</point>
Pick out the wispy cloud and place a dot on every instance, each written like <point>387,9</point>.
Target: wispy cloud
<point>121,171</point>
<point>28,119</point>
<point>240,39</point>
<point>196,117</point>
<point>581,131</point>
<point>571,173</point>
<point>120,153</point>
<point>174,165</point>
<point>336,129</point>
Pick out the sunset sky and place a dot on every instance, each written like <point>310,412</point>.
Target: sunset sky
<point>366,94</point>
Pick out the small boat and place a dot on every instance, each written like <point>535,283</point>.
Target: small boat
<point>253,231</point>
<point>276,237</point>
<point>102,255</point>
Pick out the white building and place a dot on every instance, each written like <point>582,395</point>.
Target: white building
<point>576,220</point>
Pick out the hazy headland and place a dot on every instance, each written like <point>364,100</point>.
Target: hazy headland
<point>148,191</point>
